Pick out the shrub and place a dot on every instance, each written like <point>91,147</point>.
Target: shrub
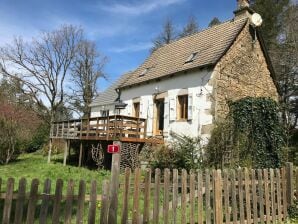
<point>9,149</point>
<point>293,212</point>
<point>39,139</point>
<point>183,152</point>
<point>17,126</point>
<point>219,148</point>
<point>163,157</point>
<point>188,152</point>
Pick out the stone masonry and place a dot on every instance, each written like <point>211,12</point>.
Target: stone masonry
<point>242,72</point>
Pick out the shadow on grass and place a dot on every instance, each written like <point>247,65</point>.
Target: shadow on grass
<point>87,161</point>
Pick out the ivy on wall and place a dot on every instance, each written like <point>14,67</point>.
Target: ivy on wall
<point>251,136</point>
<point>256,120</point>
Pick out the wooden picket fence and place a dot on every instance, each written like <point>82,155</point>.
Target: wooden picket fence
<point>24,206</point>
<point>229,196</point>
<point>210,196</point>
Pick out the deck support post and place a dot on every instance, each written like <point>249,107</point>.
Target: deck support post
<point>81,154</point>
<point>50,151</point>
<point>66,149</point>
<point>69,153</point>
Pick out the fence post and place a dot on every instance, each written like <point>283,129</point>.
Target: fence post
<point>8,201</point>
<point>290,189</point>
<point>125,206</point>
<point>217,196</point>
<point>104,202</point>
<point>112,218</point>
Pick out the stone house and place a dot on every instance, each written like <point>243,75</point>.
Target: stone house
<point>183,87</point>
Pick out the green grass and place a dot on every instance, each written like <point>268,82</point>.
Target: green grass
<point>34,165</point>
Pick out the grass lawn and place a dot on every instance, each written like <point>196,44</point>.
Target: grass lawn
<point>34,165</point>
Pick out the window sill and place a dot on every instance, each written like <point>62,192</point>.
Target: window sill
<point>182,120</point>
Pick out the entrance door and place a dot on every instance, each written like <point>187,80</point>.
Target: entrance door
<point>159,122</point>
<point>136,107</point>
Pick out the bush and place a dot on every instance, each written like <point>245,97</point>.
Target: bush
<point>219,148</point>
<point>18,124</point>
<point>39,139</point>
<point>163,157</point>
<point>182,153</point>
<point>293,212</point>
<point>9,149</point>
<point>188,152</point>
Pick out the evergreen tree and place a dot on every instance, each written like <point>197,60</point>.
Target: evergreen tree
<point>215,21</point>
<point>280,30</point>
<point>272,12</point>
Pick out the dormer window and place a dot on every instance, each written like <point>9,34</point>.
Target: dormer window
<point>191,58</point>
<point>144,72</point>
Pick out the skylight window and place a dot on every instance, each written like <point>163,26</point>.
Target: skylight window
<point>191,58</point>
<point>144,72</point>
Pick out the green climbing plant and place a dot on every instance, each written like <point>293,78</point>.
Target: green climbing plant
<point>257,119</point>
<point>252,134</point>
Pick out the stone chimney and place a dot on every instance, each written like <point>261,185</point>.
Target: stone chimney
<point>243,9</point>
<point>243,4</point>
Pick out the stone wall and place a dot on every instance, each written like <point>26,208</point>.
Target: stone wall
<point>242,72</point>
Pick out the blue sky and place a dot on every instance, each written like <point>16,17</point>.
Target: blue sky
<point>123,30</point>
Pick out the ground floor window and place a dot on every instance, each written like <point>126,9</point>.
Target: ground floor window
<point>182,107</point>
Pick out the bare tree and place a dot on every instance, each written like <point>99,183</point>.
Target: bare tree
<point>190,28</point>
<point>167,35</point>
<point>85,72</point>
<point>42,66</point>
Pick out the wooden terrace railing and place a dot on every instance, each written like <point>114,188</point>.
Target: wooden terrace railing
<point>118,127</point>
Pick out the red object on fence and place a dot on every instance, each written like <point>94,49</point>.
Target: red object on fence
<point>113,148</point>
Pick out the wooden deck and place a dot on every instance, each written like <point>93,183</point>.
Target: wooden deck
<point>118,127</point>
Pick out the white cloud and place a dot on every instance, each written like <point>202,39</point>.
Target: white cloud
<point>108,30</point>
<point>132,48</point>
<point>137,9</point>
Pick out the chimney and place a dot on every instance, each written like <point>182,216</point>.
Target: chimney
<point>243,9</point>
<point>243,4</point>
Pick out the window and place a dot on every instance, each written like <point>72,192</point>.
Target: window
<point>182,107</point>
<point>191,58</point>
<point>136,107</point>
<point>144,72</point>
<point>105,113</point>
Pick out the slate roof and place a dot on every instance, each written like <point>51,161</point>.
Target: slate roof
<point>109,95</point>
<point>210,45</point>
